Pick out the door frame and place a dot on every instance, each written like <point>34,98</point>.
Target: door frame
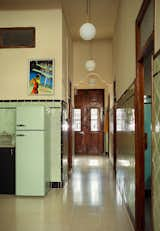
<point>114,129</point>
<point>70,135</point>
<point>92,89</point>
<point>139,121</point>
<point>108,110</point>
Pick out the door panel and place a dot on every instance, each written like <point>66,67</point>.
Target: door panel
<point>90,138</point>
<point>94,142</point>
<point>80,146</point>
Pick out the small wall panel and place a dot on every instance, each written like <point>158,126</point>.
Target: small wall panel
<point>125,150</point>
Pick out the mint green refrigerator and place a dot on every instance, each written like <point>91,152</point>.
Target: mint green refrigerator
<point>30,151</point>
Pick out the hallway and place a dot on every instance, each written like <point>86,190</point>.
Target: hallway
<point>90,202</point>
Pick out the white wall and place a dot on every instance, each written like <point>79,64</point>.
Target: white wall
<point>124,66</point>
<point>101,51</point>
<point>14,63</point>
<point>67,60</point>
<point>124,60</point>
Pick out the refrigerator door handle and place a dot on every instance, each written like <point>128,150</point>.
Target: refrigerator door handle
<point>20,125</point>
<point>20,135</point>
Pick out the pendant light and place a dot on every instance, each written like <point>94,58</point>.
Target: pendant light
<point>90,64</point>
<point>87,30</point>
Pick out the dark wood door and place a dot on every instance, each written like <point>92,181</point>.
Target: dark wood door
<point>7,170</point>
<point>89,135</point>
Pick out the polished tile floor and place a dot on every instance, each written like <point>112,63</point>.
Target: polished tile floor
<point>89,202</point>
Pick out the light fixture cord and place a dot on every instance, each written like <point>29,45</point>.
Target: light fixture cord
<point>90,50</point>
<point>88,9</point>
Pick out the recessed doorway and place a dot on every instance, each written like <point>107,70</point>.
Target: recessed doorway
<point>89,121</point>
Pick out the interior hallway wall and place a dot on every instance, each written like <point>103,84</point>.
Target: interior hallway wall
<point>102,77</point>
<point>157,25</point>
<point>155,125</point>
<point>102,53</point>
<point>124,72</point>
<point>14,63</point>
<point>124,69</point>
<point>155,145</point>
<point>125,149</point>
<point>67,59</point>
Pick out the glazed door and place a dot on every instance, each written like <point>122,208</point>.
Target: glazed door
<point>88,121</point>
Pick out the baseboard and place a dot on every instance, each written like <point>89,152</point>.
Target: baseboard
<point>127,210</point>
<point>107,154</point>
<point>131,218</point>
<point>147,192</point>
<point>56,184</point>
<point>70,174</point>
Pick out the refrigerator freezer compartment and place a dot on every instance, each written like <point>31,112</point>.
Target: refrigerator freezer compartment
<point>30,117</point>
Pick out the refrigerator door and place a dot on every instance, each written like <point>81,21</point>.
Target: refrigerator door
<point>30,118</point>
<point>30,172</point>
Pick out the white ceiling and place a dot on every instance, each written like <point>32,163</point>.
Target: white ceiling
<point>103,13</point>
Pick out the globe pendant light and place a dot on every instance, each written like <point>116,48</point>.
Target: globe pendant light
<point>90,64</point>
<point>87,30</point>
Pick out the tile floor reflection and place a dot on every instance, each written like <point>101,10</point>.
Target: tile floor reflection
<point>89,202</point>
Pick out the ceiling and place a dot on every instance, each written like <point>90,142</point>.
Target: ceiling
<point>103,13</point>
<point>103,16</point>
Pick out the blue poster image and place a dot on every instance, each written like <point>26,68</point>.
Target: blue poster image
<point>41,77</point>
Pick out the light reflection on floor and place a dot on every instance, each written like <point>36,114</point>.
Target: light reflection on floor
<point>89,202</point>
<point>88,182</point>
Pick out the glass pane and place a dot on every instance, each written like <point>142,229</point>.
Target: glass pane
<point>94,113</point>
<point>77,119</point>
<point>94,119</point>
<point>125,119</point>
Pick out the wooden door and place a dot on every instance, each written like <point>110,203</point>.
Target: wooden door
<point>89,134</point>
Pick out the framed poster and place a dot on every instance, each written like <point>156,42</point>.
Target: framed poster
<point>41,77</point>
